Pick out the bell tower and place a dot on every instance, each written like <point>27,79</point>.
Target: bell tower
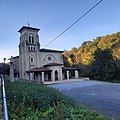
<point>28,50</point>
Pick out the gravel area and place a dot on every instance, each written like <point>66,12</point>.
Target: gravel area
<point>102,96</point>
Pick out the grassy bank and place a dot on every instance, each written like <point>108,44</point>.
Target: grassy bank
<point>31,101</point>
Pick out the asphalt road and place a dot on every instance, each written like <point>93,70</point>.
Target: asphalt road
<point>101,96</point>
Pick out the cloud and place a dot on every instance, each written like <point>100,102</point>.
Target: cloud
<point>5,53</point>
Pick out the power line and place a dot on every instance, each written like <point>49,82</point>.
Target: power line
<point>74,22</point>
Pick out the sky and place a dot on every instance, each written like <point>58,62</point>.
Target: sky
<point>52,17</point>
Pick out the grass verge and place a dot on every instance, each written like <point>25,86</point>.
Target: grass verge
<point>32,101</point>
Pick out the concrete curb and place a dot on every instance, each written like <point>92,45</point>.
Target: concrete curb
<point>64,81</point>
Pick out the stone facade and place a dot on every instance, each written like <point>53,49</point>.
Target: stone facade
<point>38,64</point>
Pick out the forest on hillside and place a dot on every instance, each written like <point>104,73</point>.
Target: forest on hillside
<point>97,59</point>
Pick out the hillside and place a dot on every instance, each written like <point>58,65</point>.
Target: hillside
<point>98,59</point>
<point>84,54</point>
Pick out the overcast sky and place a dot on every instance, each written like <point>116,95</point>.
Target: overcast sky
<point>53,17</point>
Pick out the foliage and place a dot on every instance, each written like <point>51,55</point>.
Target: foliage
<point>72,58</point>
<point>65,61</point>
<point>30,101</point>
<point>5,66</point>
<point>104,66</point>
<point>84,54</point>
<point>98,59</point>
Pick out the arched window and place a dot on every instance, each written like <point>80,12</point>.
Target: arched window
<point>31,60</point>
<point>29,48</point>
<point>31,38</point>
<point>34,48</point>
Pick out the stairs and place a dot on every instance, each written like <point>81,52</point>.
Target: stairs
<point>1,111</point>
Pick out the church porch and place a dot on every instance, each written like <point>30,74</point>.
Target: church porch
<point>70,73</point>
<point>40,74</point>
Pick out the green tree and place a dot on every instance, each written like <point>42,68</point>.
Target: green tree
<point>102,64</point>
<point>6,67</point>
<point>116,51</point>
<point>72,57</point>
<point>65,61</point>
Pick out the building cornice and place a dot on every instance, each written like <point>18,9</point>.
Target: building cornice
<point>29,28</point>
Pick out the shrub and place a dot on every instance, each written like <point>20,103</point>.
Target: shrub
<point>32,101</point>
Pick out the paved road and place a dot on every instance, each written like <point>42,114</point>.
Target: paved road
<point>101,96</point>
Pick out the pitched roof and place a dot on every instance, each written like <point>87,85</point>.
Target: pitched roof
<point>53,64</point>
<point>14,57</point>
<point>40,69</point>
<point>25,27</point>
<point>49,50</point>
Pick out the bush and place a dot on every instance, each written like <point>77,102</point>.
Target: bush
<point>32,101</point>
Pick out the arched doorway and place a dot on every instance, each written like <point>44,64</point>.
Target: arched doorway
<point>56,75</point>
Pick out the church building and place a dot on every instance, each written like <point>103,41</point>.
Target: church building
<point>38,64</point>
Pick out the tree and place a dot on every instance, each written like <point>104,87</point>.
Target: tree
<point>102,55</point>
<point>73,50</point>
<point>66,53</point>
<point>7,68</point>
<point>116,51</point>
<point>65,61</point>
<point>72,57</point>
<point>102,64</point>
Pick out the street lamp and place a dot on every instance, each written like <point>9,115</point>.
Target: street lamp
<point>4,67</point>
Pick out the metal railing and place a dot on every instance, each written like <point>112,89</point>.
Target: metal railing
<point>4,99</point>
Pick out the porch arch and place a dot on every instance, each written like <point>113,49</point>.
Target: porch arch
<point>56,75</point>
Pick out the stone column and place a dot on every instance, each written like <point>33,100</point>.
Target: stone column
<point>43,77</point>
<point>11,69</point>
<point>53,75</point>
<point>76,74</point>
<point>61,75</point>
<point>31,76</point>
<point>38,77</point>
<point>27,76</point>
<point>12,72</point>
<point>68,75</point>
